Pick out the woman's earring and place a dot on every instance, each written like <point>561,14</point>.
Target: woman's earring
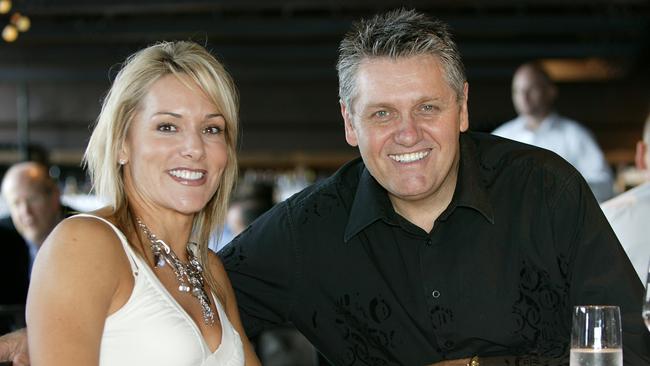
<point>122,161</point>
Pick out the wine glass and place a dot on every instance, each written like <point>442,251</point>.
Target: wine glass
<point>596,337</point>
<point>645,312</point>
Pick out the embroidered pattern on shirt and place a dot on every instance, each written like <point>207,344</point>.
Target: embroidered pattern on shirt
<point>358,320</point>
<point>541,312</point>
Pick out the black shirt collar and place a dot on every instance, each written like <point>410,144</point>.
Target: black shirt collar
<point>371,202</point>
<point>471,188</point>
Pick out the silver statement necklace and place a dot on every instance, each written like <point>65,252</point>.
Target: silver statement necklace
<point>189,276</point>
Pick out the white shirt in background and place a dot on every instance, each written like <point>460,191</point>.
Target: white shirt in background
<point>571,141</point>
<point>629,215</point>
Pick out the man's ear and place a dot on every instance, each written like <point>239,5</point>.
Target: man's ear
<point>350,131</point>
<point>641,155</point>
<point>464,112</point>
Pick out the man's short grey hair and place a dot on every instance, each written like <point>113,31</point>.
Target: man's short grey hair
<point>396,34</point>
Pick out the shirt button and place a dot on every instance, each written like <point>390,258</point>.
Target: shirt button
<point>435,294</point>
<point>429,242</point>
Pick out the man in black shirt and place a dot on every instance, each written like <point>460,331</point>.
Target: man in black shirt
<point>439,245</point>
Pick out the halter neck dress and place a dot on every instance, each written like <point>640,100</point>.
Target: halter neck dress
<point>153,329</point>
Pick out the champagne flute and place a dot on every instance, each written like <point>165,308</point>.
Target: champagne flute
<point>596,336</point>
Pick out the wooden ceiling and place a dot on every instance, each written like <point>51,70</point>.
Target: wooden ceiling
<point>280,39</point>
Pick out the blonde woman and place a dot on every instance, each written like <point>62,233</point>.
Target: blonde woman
<point>134,283</point>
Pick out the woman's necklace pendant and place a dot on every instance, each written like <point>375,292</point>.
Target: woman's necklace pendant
<point>159,260</point>
<point>189,276</point>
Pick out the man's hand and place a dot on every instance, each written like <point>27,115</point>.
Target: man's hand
<point>13,348</point>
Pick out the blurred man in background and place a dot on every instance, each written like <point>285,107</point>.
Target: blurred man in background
<point>34,203</point>
<point>533,96</point>
<point>629,212</point>
<point>33,200</point>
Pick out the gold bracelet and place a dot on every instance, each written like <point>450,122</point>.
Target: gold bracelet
<point>474,361</point>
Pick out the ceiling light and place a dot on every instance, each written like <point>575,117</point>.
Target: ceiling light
<point>5,6</point>
<point>588,69</point>
<point>9,33</point>
<point>20,21</point>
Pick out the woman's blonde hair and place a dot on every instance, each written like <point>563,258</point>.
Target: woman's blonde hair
<point>140,70</point>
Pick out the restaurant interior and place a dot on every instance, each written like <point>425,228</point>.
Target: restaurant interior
<point>59,57</point>
<point>282,55</point>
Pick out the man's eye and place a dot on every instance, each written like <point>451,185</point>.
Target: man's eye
<point>429,108</point>
<point>213,130</point>
<point>166,127</point>
<point>382,114</point>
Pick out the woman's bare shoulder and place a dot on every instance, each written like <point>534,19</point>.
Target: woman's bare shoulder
<point>82,236</point>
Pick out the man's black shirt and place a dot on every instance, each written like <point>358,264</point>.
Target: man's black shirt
<point>522,241</point>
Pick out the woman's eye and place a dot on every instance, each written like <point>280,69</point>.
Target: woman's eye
<point>166,127</point>
<point>213,130</point>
